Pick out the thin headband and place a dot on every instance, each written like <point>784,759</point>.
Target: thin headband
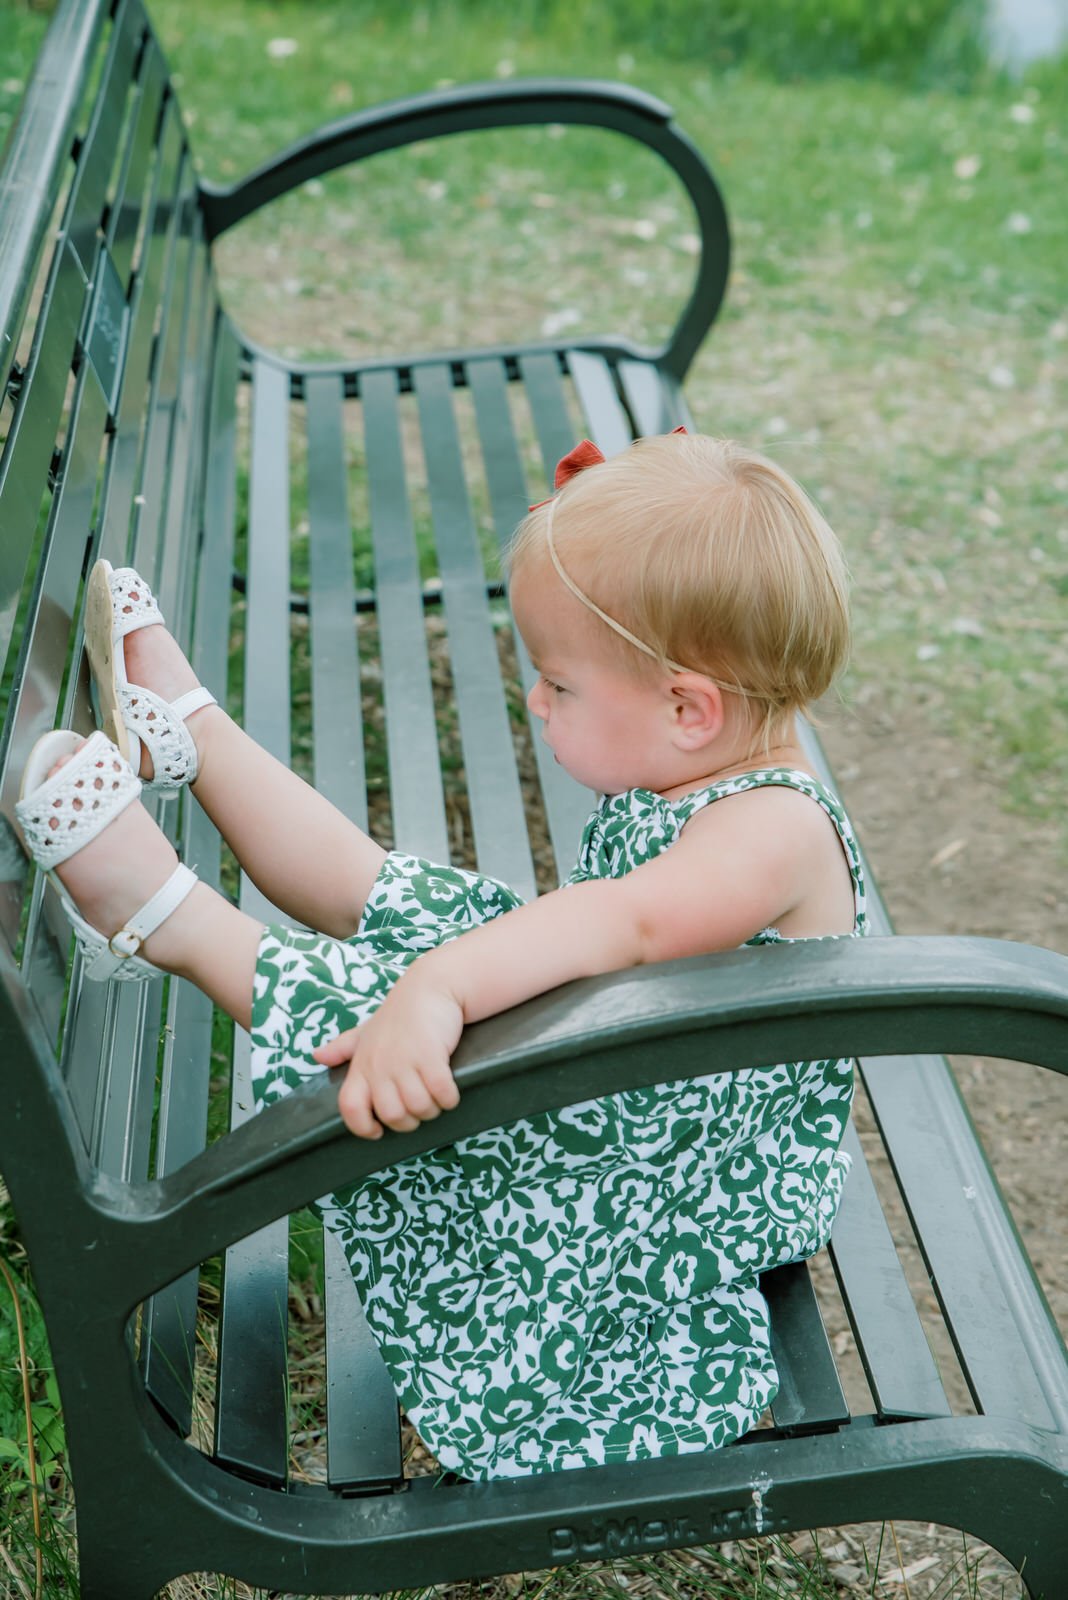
<point>617,627</point>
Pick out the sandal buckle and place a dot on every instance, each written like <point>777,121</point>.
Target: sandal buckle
<point>125,943</point>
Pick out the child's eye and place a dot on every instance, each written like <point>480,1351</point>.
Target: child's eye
<point>555,688</point>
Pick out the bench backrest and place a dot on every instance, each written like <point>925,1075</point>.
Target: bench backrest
<point>106,323</point>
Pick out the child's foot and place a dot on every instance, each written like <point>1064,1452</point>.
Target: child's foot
<point>146,689</point>
<point>121,884</point>
<point>118,871</point>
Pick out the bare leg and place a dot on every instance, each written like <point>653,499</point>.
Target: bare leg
<point>206,940</point>
<point>306,856</point>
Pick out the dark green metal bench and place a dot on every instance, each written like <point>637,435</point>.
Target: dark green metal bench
<point>126,433</point>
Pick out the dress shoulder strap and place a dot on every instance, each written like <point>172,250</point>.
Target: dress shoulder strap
<point>788,778</point>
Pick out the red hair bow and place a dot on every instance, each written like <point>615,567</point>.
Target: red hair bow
<point>585,454</point>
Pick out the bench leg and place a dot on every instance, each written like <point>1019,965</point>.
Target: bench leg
<point>1044,1571</point>
<point>1034,1540</point>
<point>132,1575</point>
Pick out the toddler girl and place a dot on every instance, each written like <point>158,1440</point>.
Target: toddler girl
<point>579,1286</point>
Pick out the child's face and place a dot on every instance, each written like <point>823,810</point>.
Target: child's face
<point>606,727</point>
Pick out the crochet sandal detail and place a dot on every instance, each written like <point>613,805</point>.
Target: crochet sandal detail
<point>118,602</point>
<point>60,814</point>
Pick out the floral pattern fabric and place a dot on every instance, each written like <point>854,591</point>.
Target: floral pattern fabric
<point>580,1286</point>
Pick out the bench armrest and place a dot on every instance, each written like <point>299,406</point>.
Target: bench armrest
<point>522,102</point>
<point>727,1012</point>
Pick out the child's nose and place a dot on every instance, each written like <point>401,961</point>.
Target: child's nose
<point>536,700</point>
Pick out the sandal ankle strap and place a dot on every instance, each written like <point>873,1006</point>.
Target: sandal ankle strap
<point>123,946</point>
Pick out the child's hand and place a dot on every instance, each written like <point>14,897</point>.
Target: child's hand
<point>399,1073</point>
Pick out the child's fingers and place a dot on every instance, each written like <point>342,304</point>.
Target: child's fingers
<point>335,1052</point>
<point>390,1108</point>
<point>417,1096</point>
<point>441,1085</point>
<point>354,1104</point>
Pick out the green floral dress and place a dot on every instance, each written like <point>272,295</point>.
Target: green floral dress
<point>581,1286</point>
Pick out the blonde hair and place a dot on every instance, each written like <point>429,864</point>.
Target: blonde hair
<point>710,557</point>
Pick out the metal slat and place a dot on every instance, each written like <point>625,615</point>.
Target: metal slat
<point>415,788</point>
<point>810,1396</point>
<point>363,1428</point>
<point>497,816</point>
<point>893,1348</point>
<point>544,386</point>
<point>151,504</point>
<point>337,724</point>
<point>132,405</point>
<point>120,1143</point>
<point>168,1340</point>
<point>652,398</point>
<point>125,215</point>
<point>28,452</point>
<point>609,425</point>
<point>37,684</point>
<point>181,524</point>
<point>251,1425</point>
<point>96,157</point>
<point>570,804</point>
<point>545,395</point>
<point>205,364</point>
<point>362,1418</point>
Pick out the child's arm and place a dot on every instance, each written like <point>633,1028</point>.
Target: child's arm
<point>734,870</point>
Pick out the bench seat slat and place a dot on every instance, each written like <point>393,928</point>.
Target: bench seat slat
<point>363,1428</point>
<point>608,424</point>
<point>362,1416</point>
<point>652,400</point>
<point>810,1395</point>
<point>543,385</point>
<point>493,790</point>
<point>571,804</point>
<point>893,1347</point>
<point>251,1425</point>
<point>417,800</point>
<point>337,724</point>
<point>168,1327</point>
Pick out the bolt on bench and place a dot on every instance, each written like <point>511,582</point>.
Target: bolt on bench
<point>133,408</point>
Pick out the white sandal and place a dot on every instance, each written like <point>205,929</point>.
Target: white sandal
<point>118,602</point>
<point>59,815</point>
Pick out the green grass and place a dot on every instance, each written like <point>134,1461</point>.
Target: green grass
<point>895,331</point>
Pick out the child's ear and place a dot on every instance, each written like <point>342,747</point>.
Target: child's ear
<point>697,710</point>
